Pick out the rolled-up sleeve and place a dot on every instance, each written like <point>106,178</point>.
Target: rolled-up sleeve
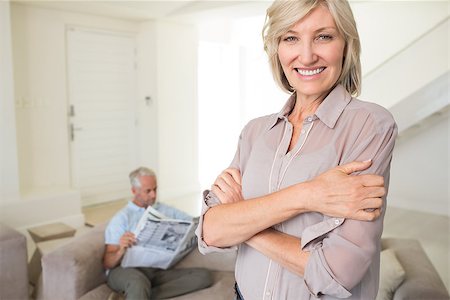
<point>209,200</point>
<point>341,250</point>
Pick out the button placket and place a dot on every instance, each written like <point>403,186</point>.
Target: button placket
<point>280,160</point>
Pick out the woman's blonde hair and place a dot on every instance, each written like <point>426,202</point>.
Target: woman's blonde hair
<point>282,16</point>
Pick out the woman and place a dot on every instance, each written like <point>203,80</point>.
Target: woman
<point>305,232</point>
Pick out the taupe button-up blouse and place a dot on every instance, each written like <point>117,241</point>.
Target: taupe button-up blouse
<point>344,260</point>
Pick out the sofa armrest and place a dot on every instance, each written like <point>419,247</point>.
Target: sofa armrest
<point>75,268</point>
<point>223,261</point>
<point>421,278</point>
<point>13,264</point>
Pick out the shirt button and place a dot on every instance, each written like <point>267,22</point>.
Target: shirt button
<point>268,294</point>
<point>337,222</point>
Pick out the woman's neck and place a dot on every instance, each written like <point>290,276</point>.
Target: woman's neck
<point>305,106</point>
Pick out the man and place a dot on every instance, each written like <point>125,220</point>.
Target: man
<point>145,283</point>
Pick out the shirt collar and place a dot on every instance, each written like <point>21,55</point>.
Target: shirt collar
<point>284,112</point>
<point>328,111</point>
<point>134,207</point>
<point>333,105</point>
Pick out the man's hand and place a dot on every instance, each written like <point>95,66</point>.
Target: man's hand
<point>227,186</point>
<point>339,194</point>
<point>114,253</point>
<point>127,240</point>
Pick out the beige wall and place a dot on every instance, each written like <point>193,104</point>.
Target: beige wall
<point>9,176</point>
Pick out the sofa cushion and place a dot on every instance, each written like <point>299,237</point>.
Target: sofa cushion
<point>421,280</point>
<point>392,275</point>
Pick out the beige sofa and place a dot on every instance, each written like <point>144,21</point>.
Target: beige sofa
<point>74,271</point>
<point>13,264</point>
<point>421,280</point>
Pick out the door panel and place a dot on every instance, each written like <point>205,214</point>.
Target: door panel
<point>102,89</point>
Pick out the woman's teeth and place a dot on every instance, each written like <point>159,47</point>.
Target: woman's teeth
<point>310,72</point>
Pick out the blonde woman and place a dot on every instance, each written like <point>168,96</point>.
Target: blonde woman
<point>303,200</point>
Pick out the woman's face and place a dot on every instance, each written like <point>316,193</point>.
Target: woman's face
<point>311,54</point>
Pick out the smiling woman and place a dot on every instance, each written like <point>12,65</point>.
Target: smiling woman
<point>311,55</point>
<point>299,219</point>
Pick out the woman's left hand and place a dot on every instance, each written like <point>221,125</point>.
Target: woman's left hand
<point>227,186</point>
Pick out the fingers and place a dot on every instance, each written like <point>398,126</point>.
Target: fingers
<point>227,184</point>
<point>370,204</point>
<point>374,192</point>
<point>371,180</point>
<point>229,181</point>
<point>235,174</point>
<point>355,166</point>
<point>368,215</point>
<point>128,239</point>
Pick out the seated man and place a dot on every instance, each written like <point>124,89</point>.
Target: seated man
<point>145,283</point>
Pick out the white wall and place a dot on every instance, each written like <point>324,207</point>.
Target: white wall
<point>420,169</point>
<point>9,175</point>
<point>147,104</point>
<point>167,64</point>
<point>423,61</point>
<point>385,27</point>
<point>176,101</point>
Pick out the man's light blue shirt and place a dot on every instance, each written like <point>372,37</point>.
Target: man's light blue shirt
<point>128,218</point>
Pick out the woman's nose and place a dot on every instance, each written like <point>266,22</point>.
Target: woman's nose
<point>307,54</point>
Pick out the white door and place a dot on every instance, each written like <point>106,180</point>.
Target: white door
<point>102,91</point>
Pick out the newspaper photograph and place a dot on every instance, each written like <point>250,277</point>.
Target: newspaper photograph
<point>161,242</point>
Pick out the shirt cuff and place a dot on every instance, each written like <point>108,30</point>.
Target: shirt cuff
<point>312,232</point>
<point>319,278</point>
<point>209,200</point>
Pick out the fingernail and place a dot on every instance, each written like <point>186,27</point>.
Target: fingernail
<point>369,160</point>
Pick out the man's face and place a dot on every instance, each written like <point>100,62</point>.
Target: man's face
<point>145,195</point>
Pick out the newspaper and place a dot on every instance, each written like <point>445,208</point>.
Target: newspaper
<point>161,241</point>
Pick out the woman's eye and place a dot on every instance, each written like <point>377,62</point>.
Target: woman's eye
<point>324,37</point>
<point>290,39</point>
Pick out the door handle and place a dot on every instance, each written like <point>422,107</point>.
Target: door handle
<point>72,131</point>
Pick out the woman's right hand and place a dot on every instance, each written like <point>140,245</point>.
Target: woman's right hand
<point>227,186</point>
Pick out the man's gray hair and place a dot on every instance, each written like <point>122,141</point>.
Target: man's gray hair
<point>136,174</point>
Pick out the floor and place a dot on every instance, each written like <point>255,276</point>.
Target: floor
<point>98,214</point>
<point>433,231</point>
